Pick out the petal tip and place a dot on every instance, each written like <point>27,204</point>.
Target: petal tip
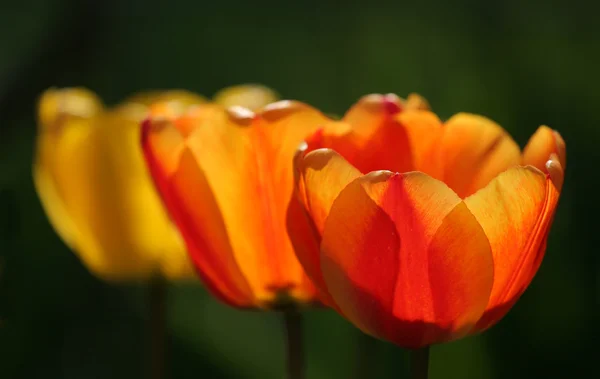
<point>561,148</point>
<point>544,143</point>
<point>280,109</point>
<point>374,102</point>
<point>77,102</point>
<point>417,102</point>
<point>555,171</point>
<point>240,115</point>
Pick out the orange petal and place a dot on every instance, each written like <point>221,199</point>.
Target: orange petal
<point>515,210</point>
<point>369,137</point>
<point>405,260</point>
<point>541,145</point>
<point>473,151</point>
<point>381,143</point>
<point>371,111</point>
<point>191,203</point>
<point>321,176</point>
<point>247,160</point>
<point>324,174</point>
<point>424,130</point>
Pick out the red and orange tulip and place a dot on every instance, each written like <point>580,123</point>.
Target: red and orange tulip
<point>444,243</point>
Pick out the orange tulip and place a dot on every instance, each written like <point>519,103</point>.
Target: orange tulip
<point>226,178</point>
<point>443,244</point>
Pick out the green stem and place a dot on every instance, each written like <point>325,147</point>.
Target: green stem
<point>294,344</point>
<point>419,363</point>
<point>157,308</point>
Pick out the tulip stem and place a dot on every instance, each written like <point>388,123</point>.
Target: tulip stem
<point>419,363</point>
<point>157,308</point>
<point>294,344</point>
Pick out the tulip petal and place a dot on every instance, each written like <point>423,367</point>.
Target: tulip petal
<point>379,141</point>
<point>370,112</point>
<point>541,145</point>
<point>414,101</point>
<point>324,174</point>
<point>405,260</point>
<point>515,210</point>
<point>369,137</point>
<point>359,257</point>
<point>193,207</point>
<point>473,151</point>
<point>55,106</point>
<point>57,111</point>
<point>321,175</point>
<point>47,173</point>
<point>424,130</point>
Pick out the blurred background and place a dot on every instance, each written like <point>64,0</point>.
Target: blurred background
<point>520,64</point>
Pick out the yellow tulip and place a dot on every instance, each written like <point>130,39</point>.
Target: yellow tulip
<point>93,183</point>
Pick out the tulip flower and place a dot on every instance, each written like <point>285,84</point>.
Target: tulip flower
<point>423,231</point>
<point>226,178</point>
<point>93,183</point>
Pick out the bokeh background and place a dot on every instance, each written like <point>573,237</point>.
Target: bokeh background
<point>519,63</point>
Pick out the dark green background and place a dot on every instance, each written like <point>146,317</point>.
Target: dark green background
<point>520,63</point>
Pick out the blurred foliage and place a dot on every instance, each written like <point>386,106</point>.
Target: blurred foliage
<point>521,63</point>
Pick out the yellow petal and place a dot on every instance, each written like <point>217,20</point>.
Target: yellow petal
<point>415,101</point>
<point>55,104</point>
